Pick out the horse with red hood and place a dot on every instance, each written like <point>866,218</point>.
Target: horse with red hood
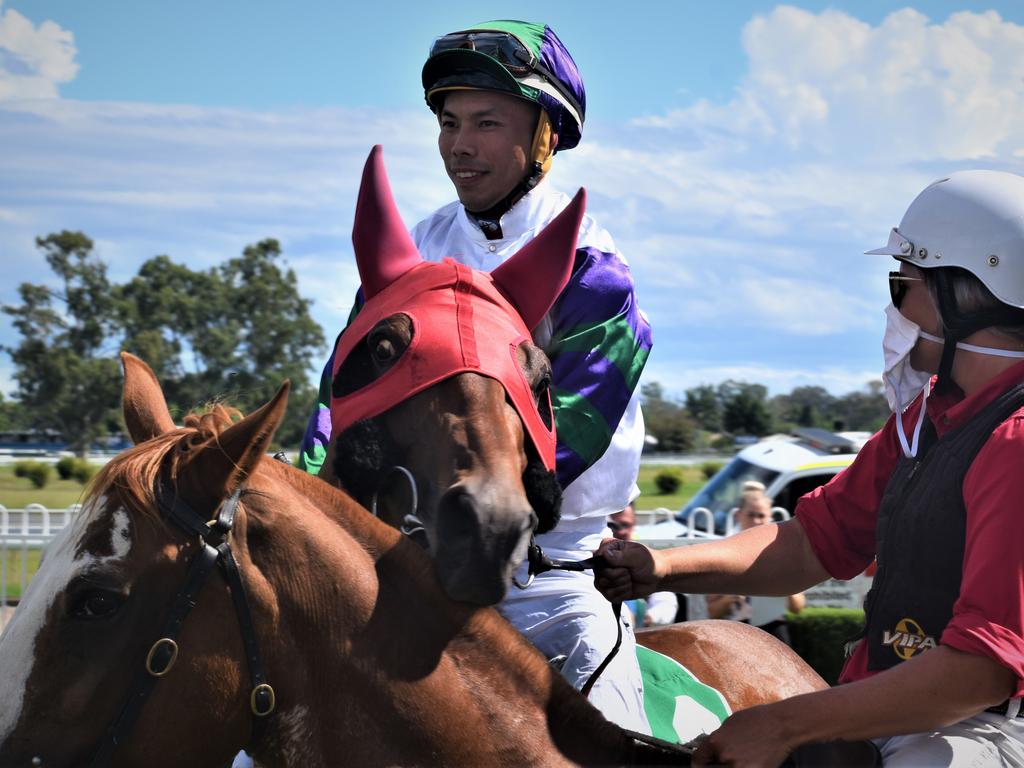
<point>481,453</point>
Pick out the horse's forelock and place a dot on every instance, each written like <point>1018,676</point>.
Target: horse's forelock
<point>135,473</point>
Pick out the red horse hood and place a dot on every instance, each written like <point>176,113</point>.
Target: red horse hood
<point>461,323</point>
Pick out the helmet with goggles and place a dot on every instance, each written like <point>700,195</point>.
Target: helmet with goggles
<point>515,57</point>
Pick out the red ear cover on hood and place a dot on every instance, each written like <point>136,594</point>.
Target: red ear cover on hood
<point>535,276</point>
<point>384,250</point>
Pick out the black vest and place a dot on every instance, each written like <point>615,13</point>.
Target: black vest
<point>920,538</point>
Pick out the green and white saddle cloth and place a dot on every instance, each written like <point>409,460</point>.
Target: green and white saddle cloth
<point>679,707</point>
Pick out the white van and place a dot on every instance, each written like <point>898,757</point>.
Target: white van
<point>788,465</point>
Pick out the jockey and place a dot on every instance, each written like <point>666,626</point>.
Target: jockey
<point>938,675</point>
<point>507,96</point>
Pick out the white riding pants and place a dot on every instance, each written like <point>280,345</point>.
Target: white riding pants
<point>562,614</point>
<point>983,741</point>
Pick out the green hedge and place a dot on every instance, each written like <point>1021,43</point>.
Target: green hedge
<point>668,481</point>
<point>819,635</point>
<point>74,467</point>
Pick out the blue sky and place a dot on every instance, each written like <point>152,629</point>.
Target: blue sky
<point>742,154</point>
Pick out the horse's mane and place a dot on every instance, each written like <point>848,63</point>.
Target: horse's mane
<point>135,471</point>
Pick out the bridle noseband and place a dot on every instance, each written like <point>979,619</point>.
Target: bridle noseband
<point>215,549</point>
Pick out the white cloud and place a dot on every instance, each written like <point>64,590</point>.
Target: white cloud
<point>908,90</point>
<point>33,60</point>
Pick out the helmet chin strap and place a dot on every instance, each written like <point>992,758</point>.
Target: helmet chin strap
<point>957,327</point>
<point>542,150</point>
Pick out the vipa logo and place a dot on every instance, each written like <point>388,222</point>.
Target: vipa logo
<point>907,639</point>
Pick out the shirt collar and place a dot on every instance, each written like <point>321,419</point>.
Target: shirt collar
<point>953,409</point>
<point>521,217</point>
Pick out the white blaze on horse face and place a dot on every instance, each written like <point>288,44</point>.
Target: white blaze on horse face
<point>63,562</point>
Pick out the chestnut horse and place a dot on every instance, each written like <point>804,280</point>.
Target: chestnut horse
<point>328,641</point>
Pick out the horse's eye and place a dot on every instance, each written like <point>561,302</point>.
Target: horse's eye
<point>383,349</point>
<point>94,604</point>
<point>542,385</point>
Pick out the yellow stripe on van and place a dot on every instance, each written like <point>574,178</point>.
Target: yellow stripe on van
<point>844,461</point>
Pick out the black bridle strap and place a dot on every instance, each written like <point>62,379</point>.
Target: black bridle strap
<point>200,567</point>
<point>261,697</point>
<point>215,549</point>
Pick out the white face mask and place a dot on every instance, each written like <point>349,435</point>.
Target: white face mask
<point>903,382</point>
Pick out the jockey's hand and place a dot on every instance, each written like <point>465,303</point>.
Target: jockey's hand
<point>625,569</point>
<point>750,738</point>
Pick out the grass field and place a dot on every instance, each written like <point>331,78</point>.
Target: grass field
<point>17,492</point>
<point>15,560</point>
<point>651,497</point>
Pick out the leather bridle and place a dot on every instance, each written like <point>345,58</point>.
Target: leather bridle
<point>215,549</point>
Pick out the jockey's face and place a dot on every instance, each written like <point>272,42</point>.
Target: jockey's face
<point>485,144</point>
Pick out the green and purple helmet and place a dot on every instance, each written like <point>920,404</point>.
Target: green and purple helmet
<point>516,57</point>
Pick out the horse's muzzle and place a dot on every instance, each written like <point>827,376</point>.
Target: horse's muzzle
<point>481,538</point>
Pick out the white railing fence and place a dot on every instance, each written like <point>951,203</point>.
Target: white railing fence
<point>24,533</point>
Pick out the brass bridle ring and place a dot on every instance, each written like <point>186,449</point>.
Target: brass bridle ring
<point>268,707</point>
<point>163,652</point>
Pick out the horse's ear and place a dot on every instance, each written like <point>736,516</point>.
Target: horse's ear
<point>534,277</point>
<point>244,443</point>
<point>145,409</point>
<point>384,250</point>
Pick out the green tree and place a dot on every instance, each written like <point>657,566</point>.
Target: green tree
<point>667,421</point>
<point>12,415</point>
<point>233,333</point>
<point>66,378</point>
<point>864,410</point>
<point>745,410</point>
<point>703,405</point>
<point>805,407</point>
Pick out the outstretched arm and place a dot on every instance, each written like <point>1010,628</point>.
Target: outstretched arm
<point>764,560</point>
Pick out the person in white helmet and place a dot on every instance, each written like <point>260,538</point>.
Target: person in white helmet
<point>938,675</point>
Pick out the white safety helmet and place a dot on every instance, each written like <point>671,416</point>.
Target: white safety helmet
<point>973,220</point>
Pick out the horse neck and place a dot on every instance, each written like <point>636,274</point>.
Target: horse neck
<point>395,663</point>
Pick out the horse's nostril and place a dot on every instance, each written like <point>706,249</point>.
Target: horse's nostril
<point>458,517</point>
<point>530,524</point>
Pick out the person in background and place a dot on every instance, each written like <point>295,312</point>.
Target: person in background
<point>767,613</point>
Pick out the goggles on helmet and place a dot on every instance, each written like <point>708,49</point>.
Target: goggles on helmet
<point>516,58</point>
<point>506,49</point>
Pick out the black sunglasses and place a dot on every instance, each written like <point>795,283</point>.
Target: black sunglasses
<point>898,287</point>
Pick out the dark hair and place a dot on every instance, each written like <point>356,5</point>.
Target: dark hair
<point>971,298</point>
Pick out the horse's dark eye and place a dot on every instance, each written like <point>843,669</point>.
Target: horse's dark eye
<point>383,349</point>
<point>542,385</point>
<point>94,604</point>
